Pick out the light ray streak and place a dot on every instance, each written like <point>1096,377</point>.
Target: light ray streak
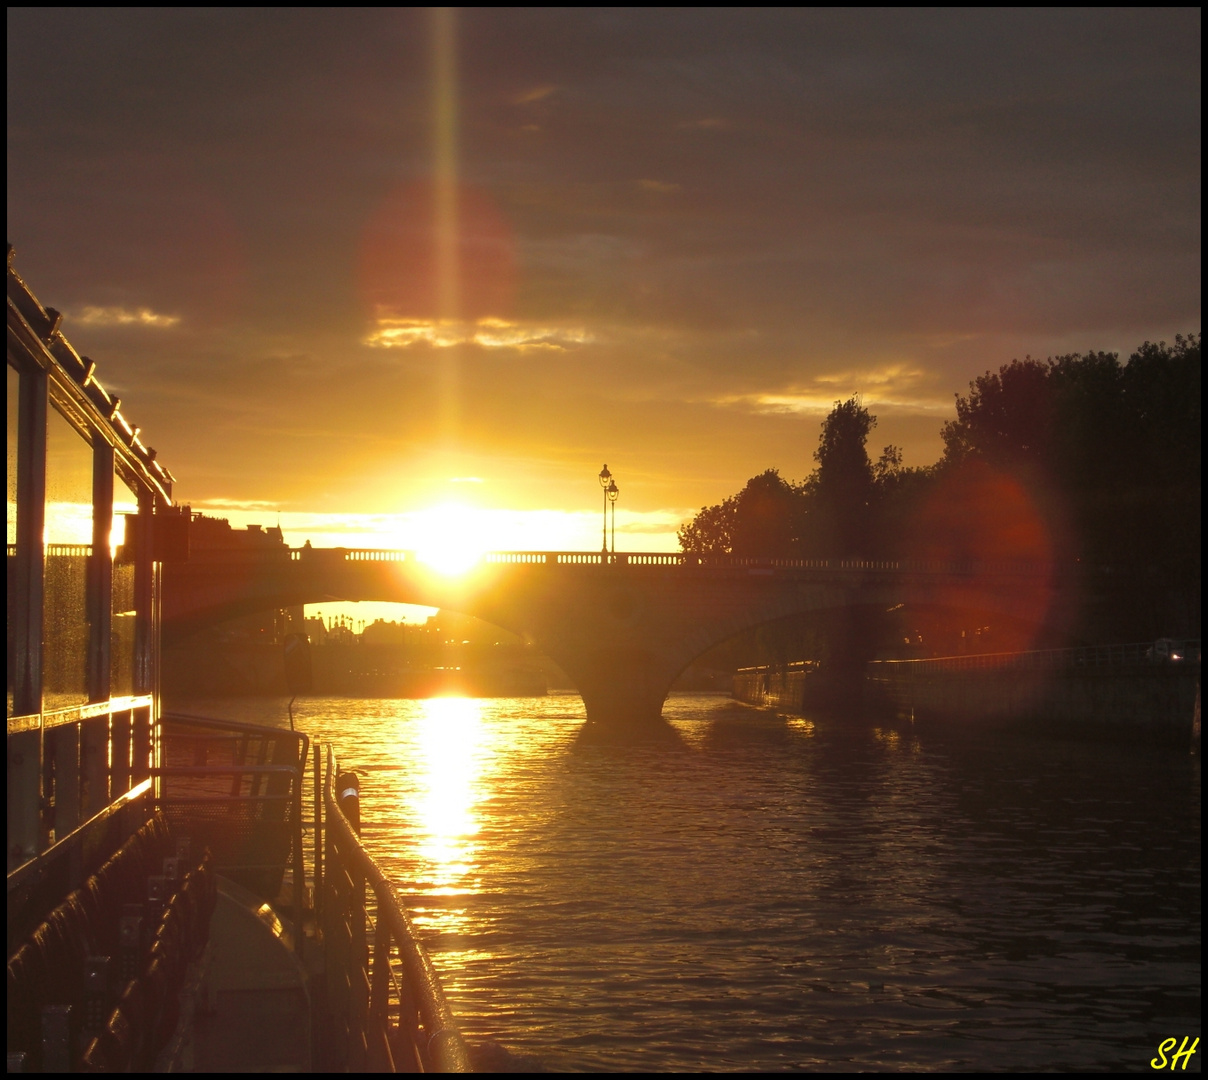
<point>445,169</point>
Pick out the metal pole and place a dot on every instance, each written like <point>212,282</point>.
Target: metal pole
<point>318,832</point>
<point>606,481</point>
<point>613,493</point>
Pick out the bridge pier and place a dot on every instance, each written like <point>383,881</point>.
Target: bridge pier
<point>623,686</point>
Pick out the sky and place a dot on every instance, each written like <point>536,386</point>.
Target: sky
<point>348,266</point>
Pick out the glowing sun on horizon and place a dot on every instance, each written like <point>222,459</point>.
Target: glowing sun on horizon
<point>450,538</point>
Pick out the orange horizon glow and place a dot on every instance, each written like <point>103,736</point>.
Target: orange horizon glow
<point>525,265</point>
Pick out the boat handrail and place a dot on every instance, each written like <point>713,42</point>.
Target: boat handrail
<point>253,821</point>
<point>421,997</point>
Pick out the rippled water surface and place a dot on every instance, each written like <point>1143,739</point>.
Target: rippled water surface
<point>765,892</point>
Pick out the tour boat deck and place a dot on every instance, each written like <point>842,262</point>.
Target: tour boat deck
<point>253,1004</point>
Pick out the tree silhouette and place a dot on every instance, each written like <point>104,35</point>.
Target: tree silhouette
<point>1112,452</point>
<point>1006,419</point>
<point>843,483</point>
<point>1078,459</point>
<point>763,520</point>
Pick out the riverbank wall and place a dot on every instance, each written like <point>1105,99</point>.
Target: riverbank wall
<point>789,688</point>
<point>1107,690</point>
<point>251,669</point>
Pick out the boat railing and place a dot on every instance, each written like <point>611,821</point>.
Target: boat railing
<point>79,784</point>
<point>237,790</point>
<point>384,999</point>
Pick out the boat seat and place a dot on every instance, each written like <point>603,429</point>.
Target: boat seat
<point>64,961</point>
<point>146,1015</point>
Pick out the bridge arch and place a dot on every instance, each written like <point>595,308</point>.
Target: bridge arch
<point>623,631</point>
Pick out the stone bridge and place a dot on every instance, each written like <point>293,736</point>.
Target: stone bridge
<point>622,626</point>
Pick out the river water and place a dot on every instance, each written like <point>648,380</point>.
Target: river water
<point>755,891</point>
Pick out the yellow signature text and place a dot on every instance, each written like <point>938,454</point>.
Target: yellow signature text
<point>1184,1052</point>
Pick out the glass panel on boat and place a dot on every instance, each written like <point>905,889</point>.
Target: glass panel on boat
<point>121,629</point>
<point>10,518</point>
<point>68,539</point>
<point>164,911</point>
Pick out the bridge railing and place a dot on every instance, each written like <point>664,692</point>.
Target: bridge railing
<point>536,557</point>
<point>753,564</point>
<point>688,559</point>
<point>377,555</point>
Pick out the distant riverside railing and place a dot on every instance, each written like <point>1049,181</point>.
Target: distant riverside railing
<point>1094,656</point>
<point>634,558</point>
<point>765,669</point>
<point>1090,656</point>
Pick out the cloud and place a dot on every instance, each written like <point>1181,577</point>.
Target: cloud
<point>393,333</point>
<point>120,316</point>
<point>896,386</point>
<point>259,505</point>
<point>536,93</point>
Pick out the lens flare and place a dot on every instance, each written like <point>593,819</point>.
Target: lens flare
<point>982,516</point>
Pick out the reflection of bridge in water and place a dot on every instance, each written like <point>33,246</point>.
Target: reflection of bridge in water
<point>621,626</point>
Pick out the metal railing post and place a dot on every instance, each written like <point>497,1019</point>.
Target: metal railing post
<point>299,869</point>
<point>433,1042</point>
<point>318,833</point>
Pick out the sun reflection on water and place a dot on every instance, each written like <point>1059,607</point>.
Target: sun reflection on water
<point>451,742</point>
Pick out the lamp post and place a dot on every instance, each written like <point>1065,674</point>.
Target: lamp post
<point>605,480</point>
<point>612,491</point>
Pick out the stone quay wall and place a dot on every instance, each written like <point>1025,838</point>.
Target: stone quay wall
<point>1108,689</point>
<point>1158,700</point>
<point>787,688</point>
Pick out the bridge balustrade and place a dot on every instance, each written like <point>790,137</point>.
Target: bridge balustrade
<point>378,555</point>
<point>663,559</point>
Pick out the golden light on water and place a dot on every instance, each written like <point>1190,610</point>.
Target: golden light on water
<point>452,741</point>
<point>887,737</point>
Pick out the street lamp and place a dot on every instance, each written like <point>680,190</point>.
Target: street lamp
<point>612,491</point>
<point>605,480</point>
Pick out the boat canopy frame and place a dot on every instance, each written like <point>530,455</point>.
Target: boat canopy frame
<point>82,644</point>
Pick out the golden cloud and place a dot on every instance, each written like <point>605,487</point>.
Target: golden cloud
<point>120,316</point>
<point>392,333</point>
<point>536,93</point>
<point>897,386</point>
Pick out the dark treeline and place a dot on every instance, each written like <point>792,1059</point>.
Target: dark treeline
<point>1081,461</point>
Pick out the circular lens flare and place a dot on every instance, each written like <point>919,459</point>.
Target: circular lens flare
<point>403,255</point>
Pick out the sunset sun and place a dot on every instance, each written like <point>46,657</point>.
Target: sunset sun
<point>450,538</point>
